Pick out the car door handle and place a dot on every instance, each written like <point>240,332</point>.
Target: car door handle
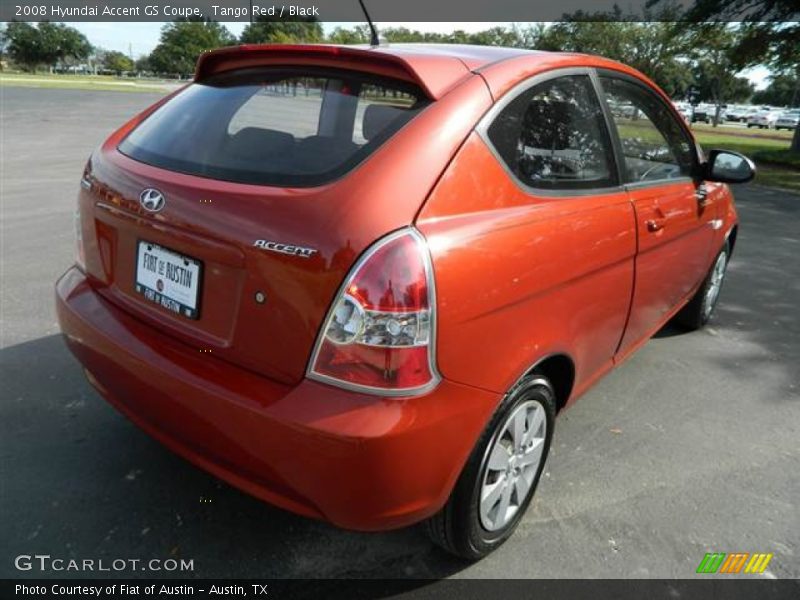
<point>654,225</point>
<point>701,193</point>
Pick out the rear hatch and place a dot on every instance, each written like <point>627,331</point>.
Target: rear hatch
<point>228,215</point>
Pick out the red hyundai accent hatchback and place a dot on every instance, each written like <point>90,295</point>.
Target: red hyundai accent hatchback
<point>359,283</point>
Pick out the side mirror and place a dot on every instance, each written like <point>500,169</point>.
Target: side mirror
<point>728,167</point>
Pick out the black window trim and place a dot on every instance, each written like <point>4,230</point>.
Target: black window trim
<point>611,73</point>
<point>482,129</point>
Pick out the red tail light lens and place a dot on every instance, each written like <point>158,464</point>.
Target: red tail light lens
<point>80,255</point>
<point>378,336</point>
<point>86,184</point>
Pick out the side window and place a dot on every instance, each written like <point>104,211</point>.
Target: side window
<point>553,136</point>
<point>654,146</point>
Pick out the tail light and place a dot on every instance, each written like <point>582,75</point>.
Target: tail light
<point>86,184</point>
<point>379,334</point>
<point>80,255</point>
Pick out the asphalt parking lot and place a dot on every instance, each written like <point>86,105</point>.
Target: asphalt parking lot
<point>690,447</point>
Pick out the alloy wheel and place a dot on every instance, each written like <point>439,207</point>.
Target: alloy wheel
<point>715,284</point>
<point>511,465</point>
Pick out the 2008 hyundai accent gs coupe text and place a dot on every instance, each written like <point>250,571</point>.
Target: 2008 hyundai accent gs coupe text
<point>359,283</point>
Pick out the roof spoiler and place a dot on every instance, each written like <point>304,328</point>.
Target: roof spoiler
<point>434,76</point>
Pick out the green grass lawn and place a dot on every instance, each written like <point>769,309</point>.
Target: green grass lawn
<point>776,165</point>
<point>84,82</point>
<point>738,131</point>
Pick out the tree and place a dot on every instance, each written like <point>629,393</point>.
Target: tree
<point>776,45</point>
<point>783,90</point>
<point>515,36</point>
<point>22,44</point>
<point>274,30</point>
<point>116,61</point>
<point>72,45</point>
<point>183,41</point>
<point>720,87</point>
<point>528,36</point>
<point>770,31</point>
<point>497,36</point>
<point>657,48</point>
<point>715,46</point>
<point>403,35</point>
<point>3,44</point>
<point>46,44</point>
<point>591,34</point>
<point>143,65</point>
<point>357,35</point>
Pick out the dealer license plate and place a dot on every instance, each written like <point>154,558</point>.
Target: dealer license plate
<point>169,279</point>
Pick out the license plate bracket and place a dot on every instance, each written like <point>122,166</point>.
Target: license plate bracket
<point>168,279</point>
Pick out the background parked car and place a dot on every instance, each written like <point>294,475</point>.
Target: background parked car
<point>749,112</point>
<point>733,113</point>
<point>737,114</point>
<point>788,120</point>
<point>701,114</point>
<point>623,109</point>
<point>684,109</point>
<point>763,119</point>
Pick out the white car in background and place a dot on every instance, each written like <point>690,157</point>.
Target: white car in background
<point>684,108</point>
<point>788,120</point>
<point>763,119</point>
<point>751,112</point>
<point>738,113</point>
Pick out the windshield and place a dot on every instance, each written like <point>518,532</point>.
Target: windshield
<point>274,126</point>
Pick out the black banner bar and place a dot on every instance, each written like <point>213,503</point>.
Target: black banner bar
<point>381,10</point>
<point>729,588</point>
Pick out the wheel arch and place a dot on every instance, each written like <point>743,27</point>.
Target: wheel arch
<point>560,371</point>
<point>731,239</point>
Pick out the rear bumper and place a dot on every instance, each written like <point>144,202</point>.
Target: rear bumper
<point>357,461</point>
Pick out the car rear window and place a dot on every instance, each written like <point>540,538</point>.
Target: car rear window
<point>275,126</point>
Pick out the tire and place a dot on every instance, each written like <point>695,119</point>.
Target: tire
<point>462,527</point>
<point>698,312</point>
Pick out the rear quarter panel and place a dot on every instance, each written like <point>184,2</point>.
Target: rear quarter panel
<point>520,277</point>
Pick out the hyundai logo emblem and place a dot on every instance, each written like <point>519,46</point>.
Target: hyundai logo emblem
<point>152,200</point>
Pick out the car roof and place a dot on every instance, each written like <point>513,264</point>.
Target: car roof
<point>503,67</point>
<point>474,57</point>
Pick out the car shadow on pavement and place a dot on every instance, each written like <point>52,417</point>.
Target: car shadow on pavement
<point>81,481</point>
<point>669,330</point>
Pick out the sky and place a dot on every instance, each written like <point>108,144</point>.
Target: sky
<point>140,38</point>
